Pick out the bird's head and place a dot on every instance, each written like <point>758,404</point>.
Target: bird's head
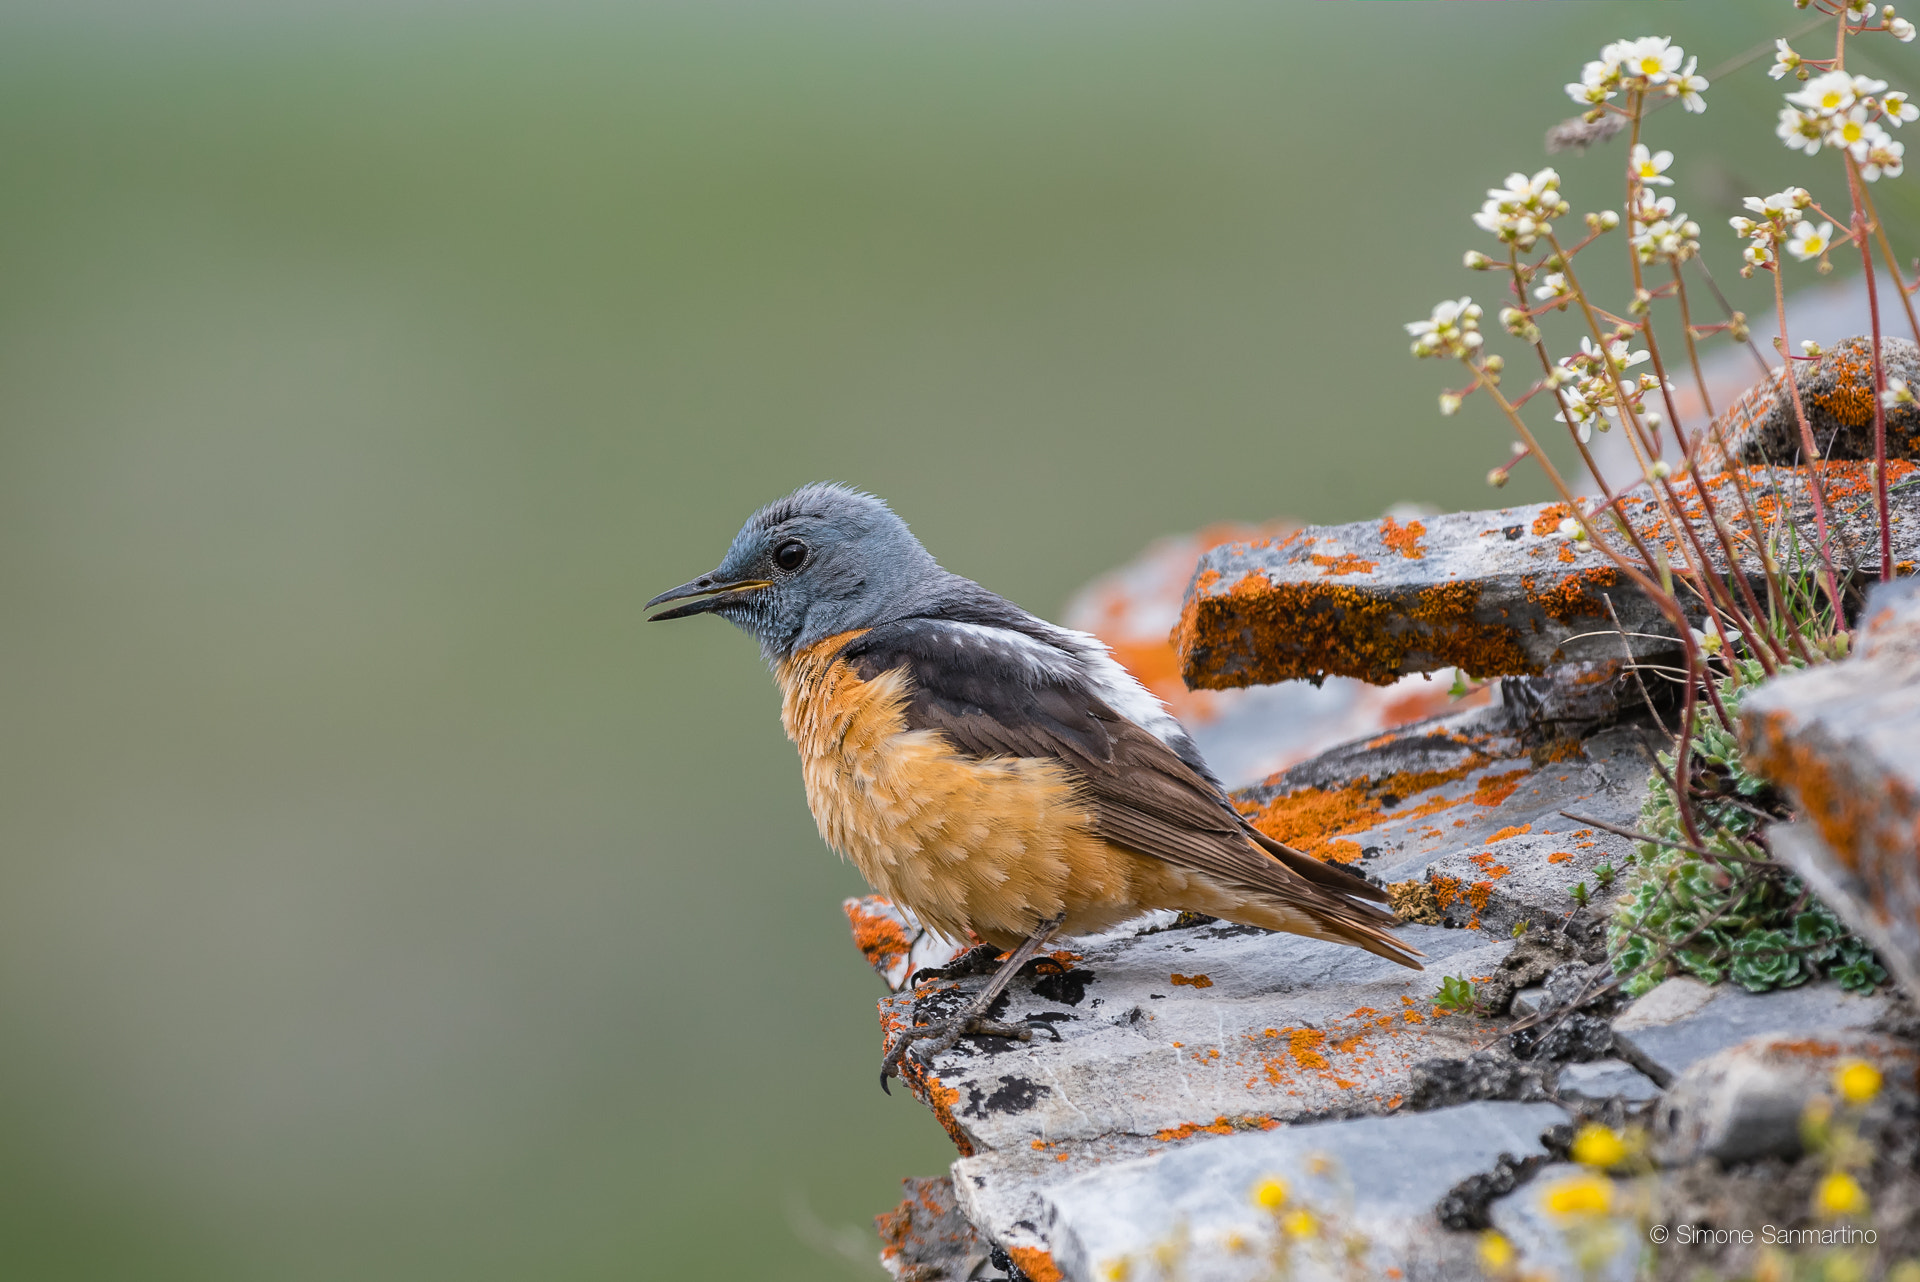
<point>825,559</point>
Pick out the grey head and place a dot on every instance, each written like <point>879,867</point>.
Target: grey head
<point>824,560</point>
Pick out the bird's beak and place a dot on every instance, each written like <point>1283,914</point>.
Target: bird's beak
<point>710,593</point>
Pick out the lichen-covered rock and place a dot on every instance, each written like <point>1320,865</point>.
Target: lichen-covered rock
<point>1844,740</point>
<point>1837,394</point>
<point>927,1239</point>
<point>1747,1101</point>
<point>1498,593</point>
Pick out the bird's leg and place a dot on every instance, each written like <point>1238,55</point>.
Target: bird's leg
<point>971,1018</point>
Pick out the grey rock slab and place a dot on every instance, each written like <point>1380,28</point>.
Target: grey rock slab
<point>1844,739</point>
<point>926,1237</point>
<point>1604,1079</point>
<point>1746,1102</point>
<point>1179,1028</point>
<point>1683,1021</point>
<point>1542,1240</point>
<point>1377,1178</point>
<point>1447,786</point>
<point>1497,593</point>
<point>1528,877</point>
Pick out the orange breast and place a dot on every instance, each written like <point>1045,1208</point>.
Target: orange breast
<point>992,846</point>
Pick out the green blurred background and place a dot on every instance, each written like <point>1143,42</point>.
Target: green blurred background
<point>379,897</point>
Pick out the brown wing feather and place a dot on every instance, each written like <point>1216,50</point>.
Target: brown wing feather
<point>1144,797</point>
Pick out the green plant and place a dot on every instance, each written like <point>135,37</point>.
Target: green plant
<point>1456,995</point>
<point>1729,913</point>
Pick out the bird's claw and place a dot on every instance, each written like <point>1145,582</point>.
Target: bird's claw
<point>945,1034</point>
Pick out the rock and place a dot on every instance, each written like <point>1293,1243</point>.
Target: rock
<point>1377,1177</point>
<point>1490,1074</point>
<point>1747,1101</point>
<point>1534,956</point>
<point>926,1239</point>
<point>1841,739</point>
<point>1544,1243</point>
<point>1496,593</point>
<point>1683,1021</point>
<point>1837,394</point>
<point>1604,1079</point>
<point>894,942</point>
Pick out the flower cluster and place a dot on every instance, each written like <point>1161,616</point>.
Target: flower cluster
<point>1783,219</point>
<point>1658,234</point>
<point>1522,211</point>
<point>1648,65</point>
<point>1592,383</point>
<point>1845,112</point>
<point>1453,330</point>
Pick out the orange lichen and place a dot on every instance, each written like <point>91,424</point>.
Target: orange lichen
<point>1196,981</point>
<point>1036,1263</point>
<point>1404,539</point>
<point>877,935</point>
<point>1868,822</point>
<point>1222,1125</point>
<point>1570,598</point>
<point>1494,789</point>
<point>1519,830</point>
<point>1550,517</point>
<point>1304,1044</point>
<point>1345,563</point>
<point>1323,821</point>
<point>1559,856</point>
<point>939,1099</point>
<point>1259,632</point>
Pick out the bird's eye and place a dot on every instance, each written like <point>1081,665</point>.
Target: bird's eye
<point>790,554</point>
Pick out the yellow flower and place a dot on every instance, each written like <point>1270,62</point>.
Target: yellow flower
<point>1300,1224</point>
<point>1117,1270</point>
<point>1858,1081</point>
<point>1839,1194</point>
<point>1599,1146</point>
<point>1235,1243</point>
<point>1580,1195</point>
<point>1271,1193</point>
<point>1496,1253</point>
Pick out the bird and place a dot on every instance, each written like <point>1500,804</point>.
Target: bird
<point>1002,777</point>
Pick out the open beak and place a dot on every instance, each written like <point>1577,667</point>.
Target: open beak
<point>706,592</point>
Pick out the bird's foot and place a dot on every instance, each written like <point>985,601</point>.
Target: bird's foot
<point>972,1020</point>
<point>981,960</point>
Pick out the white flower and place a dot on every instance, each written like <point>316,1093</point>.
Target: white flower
<point>1899,110</point>
<point>1902,29</point>
<point>1520,212</point>
<point>1578,414</point>
<point>1897,394</point>
<point>1785,204</point>
<point>1800,130</point>
<point>1452,329</point>
<point>1884,157</point>
<point>1555,286</point>
<point>1651,58</point>
<point>1784,59</point>
<point>1687,86</point>
<point>1758,255</point>
<point>1854,133</point>
<point>1709,637</point>
<point>1809,242</point>
<point>1826,94</point>
<point>1651,166</point>
<point>1867,86</point>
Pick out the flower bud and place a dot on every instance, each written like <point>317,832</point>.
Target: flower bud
<point>1642,300</point>
<point>1810,347</point>
<point>1660,470</point>
<point>1494,363</point>
<point>1477,261</point>
<point>1609,219</point>
<point>1497,478</point>
<point>1449,404</point>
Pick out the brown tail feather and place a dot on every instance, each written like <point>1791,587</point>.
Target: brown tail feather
<point>1317,871</point>
<point>1325,921</point>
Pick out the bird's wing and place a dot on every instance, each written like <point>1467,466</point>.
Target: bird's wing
<point>997,692</point>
